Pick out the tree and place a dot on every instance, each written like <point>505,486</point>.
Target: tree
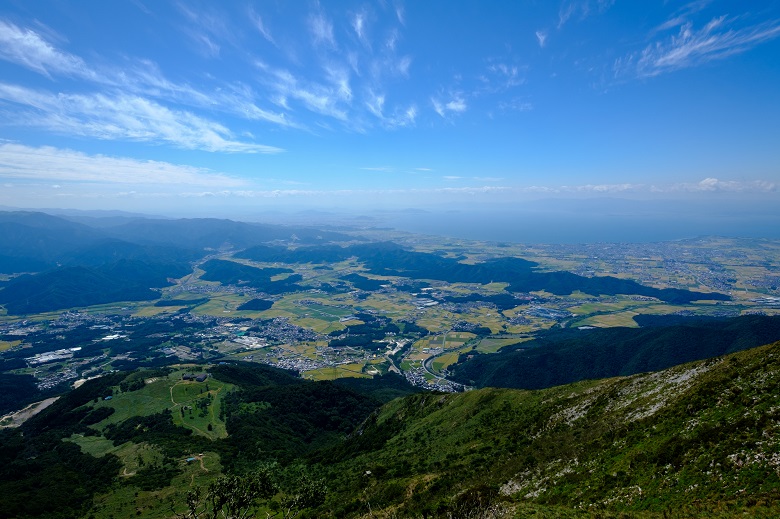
<point>240,497</point>
<point>230,497</point>
<point>305,491</point>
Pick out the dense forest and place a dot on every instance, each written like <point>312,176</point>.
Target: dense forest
<point>562,356</point>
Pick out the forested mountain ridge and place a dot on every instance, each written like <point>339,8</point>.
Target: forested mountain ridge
<point>569,355</point>
<point>66,287</point>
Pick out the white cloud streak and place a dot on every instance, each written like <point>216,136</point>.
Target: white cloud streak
<point>257,20</point>
<point>50,164</point>
<point>124,117</point>
<point>359,25</point>
<point>321,30</point>
<point>137,81</point>
<point>350,81</point>
<point>691,47</point>
<point>27,48</point>
<point>455,105</point>
<point>581,9</point>
<point>541,37</point>
<point>324,99</point>
<point>501,77</point>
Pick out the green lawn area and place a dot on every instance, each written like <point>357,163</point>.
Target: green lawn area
<point>220,305</point>
<point>152,398</point>
<point>186,399</point>
<point>97,446</point>
<point>151,310</point>
<point>492,345</point>
<point>610,320</point>
<point>354,370</point>
<point>391,305</point>
<point>197,406</point>
<point>322,318</point>
<point>446,360</point>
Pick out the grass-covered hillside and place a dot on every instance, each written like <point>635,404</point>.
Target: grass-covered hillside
<point>701,439</point>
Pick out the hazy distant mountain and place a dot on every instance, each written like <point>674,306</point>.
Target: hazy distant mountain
<point>41,237</point>
<point>73,214</point>
<point>212,233</point>
<point>34,241</point>
<point>109,250</point>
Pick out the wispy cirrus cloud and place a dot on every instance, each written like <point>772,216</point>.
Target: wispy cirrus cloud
<point>359,22</point>
<point>398,118</point>
<point>541,37</point>
<point>501,76</point>
<point>682,15</point>
<point>720,38</point>
<point>29,49</point>
<point>321,29</point>
<point>49,164</point>
<point>455,105</point>
<point>323,98</point>
<point>493,83</point>
<point>125,117</point>
<point>401,117</point>
<point>350,80</point>
<point>139,78</point>
<point>207,28</point>
<point>516,105</point>
<point>260,25</point>
<point>581,9</point>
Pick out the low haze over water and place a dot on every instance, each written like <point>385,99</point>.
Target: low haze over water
<point>531,227</point>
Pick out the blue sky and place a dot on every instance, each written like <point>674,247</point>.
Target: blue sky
<point>177,106</point>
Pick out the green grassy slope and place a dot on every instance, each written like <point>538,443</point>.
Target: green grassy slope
<point>701,439</point>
